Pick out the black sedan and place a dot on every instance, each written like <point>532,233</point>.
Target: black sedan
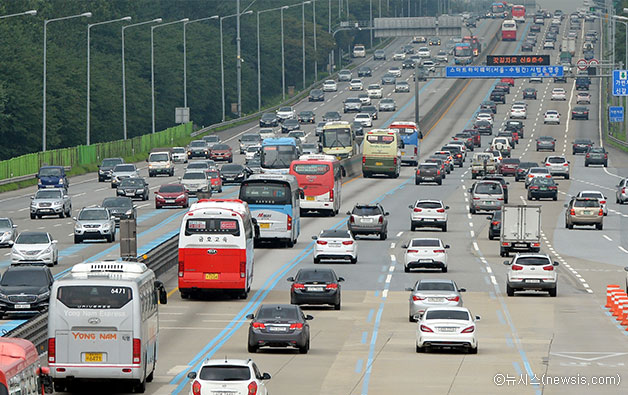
<point>331,116</point>
<point>495,228</point>
<point>133,188</point>
<point>371,110</point>
<point>483,127</point>
<point>289,125</point>
<point>365,71</point>
<point>306,117</point>
<point>434,41</point>
<point>515,126</point>
<point>529,93</point>
<point>498,96</point>
<point>580,113</point>
<point>279,325</point>
<point>316,95</point>
<point>407,64</point>
<point>488,104</point>
<point>596,156</point>
<point>541,187</point>
<point>268,119</point>
<point>234,173</point>
<point>315,286</point>
<point>527,47</point>
<point>120,208</point>
<point>581,146</point>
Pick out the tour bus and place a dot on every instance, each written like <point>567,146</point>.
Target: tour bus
<point>518,13</point>
<point>382,153</point>
<point>320,178</point>
<point>103,324</point>
<point>463,54</point>
<point>20,371</point>
<point>498,9</point>
<point>474,42</point>
<point>277,154</point>
<point>274,201</point>
<point>411,137</point>
<point>338,139</point>
<point>509,30</point>
<point>216,248</point>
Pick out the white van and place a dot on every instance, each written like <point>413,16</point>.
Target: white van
<point>160,161</point>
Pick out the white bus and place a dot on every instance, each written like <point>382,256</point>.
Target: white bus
<point>103,324</point>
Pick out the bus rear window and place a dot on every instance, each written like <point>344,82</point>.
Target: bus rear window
<point>94,296</point>
<point>265,193</point>
<point>380,139</point>
<point>310,169</point>
<point>213,226</point>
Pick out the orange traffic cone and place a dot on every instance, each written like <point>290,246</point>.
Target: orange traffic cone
<point>622,303</point>
<point>615,299</point>
<point>609,293</point>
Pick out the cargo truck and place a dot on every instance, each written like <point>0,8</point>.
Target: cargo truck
<point>521,229</point>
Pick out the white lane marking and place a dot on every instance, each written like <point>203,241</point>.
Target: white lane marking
<point>493,279</point>
<point>392,245</point>
<point>71,234</point>
<point>623,249</point>
<point>488,268</point>
<point>144,205</point>
<point>57,225</point>
<point>23,209</point>
<point>385,293</point>
<point>392,257</point>
<point>100,189</point>
<point>80,194</point>
<point>607,238</point>
<point>475,246</point>
<point>399,234</point>
<point>388,278</point>
<point>472,233</point>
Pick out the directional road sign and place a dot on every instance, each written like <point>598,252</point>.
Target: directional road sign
<point>503,71</point>
<point>620,83</point>
<point>616,114</point>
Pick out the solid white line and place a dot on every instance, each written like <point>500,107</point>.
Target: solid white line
<point>493,280</point>
<point>80,194</point>
<point>607,238</point>
<point>71,234</point>
<point>23,209</point>
<point>143,205</point>
<point>240,134</point>
<point>488,269</point>
<point>100,189</point>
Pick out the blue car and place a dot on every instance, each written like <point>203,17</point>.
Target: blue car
<point>52,177</point>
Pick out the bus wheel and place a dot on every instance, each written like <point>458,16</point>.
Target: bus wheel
<point>59,385</point>
<point>290,243</point>
<point>332,213</point>
<point>185,295</point>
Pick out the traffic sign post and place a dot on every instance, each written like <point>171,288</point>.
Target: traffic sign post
<point>503,71</point>
<point>620,83</point>
<point>616,114</point>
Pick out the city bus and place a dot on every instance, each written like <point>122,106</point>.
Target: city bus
<point>338,139</point>
<point>20,371</point>
<point>103,324</point>
<point>498,9</point>
<point>518,13</point>
<point>463,54</point>
<point>382,153</point>
<point>509,30</point>
<point>474,42</point>
<point>320,178</point>
<point>274,201</point>
<point>216,248</point>
<point>411,137</point>
<point>277,154</point>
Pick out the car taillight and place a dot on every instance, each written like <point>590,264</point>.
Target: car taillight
<point>476,198</point>
<point>321,242</point>
<point>549,268</point>
<point>137,351</point>
<point>623,190</point>
<point>417,210</point>
<point>501,198</point>
<point>363,159</point>
<point>548,164</point>
<point>602,201</point>
<point>424,328</point>
<point>416,297</point>
<point>440,210</point>
<point>605,156</point>
<point>495,223</point>
<point>380,220</point>
<point>517,267</point>
<point>600,213</point>
<point>553,188</point>
<point>395,161</point>
<point>181,268</point>
<point>297,325</point>
<point>418,172</point>
<point>548,176</point>
<point>347,242</point>
<point>588,156</point>
<point>331,195</point>
<point>332,286</point>
<point>416,151</point>
<point>565,164</point>
<point>438,172</point>
<point>52,352</point>
<point>572,212</point>
<point>298,286</point>
<point>530,176</point>
<point>289,225</point>
<point>351,219</point>
<point>439,251</point>
<point>454,298</point>
<point>258,325</point>
<point>243,268</point>
<point>196,388</point>
<point>468,329</point>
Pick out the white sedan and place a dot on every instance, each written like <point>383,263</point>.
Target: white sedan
<point>559,94</point>
<point>424,52</point>
<point>425,253</point>
<point>335,244</point>
<point>551,116</point>
<point>548,45</point>
<point>595,195</point>
<point>356,85</point>
<point>374,91</point>
<point>583,98</point>
<point>364,119</point>
<point>447,327</point>
<point>518,111</point>
<point>484,116</point>
<point>399,56</point>
<point>330,86</point>
<point>35,247</point>
<point>395,71</point>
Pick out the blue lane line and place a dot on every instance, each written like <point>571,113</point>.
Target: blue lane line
<point>358,366</point>
<point>369,318</point>
<point>509,342</point>
<point>364,336</point>
<point>500,317</point>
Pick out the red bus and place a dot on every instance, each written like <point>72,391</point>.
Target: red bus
<point>509,30</point>
<point>20,372</point>
<point>320,178</point>
<point>475,44</point>
<point>518,13</point>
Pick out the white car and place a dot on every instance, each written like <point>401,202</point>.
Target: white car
<point>559,94</point>
<point>228,376</point>
<point>557,166</point>
<point>428,253</point>
<point>364,119</point>
<point>447,327</point>
<point>399,56</point>
<point>330,86</point>
<point>441,56</point>
<point>356,85</point>
<point>531,272</point>
<point>335,244</point>
<point>429,65</point>
<point>179,155</point>
<point>267,133</point>
<point>536,172</point>
<point>298,134</point>
<point>551,116</point>
<point>595,195</point>
<point>250,152</point>
<point>365,99</point>
<point>287,112</point>
<point>518,111</point>
<point>484,116</point>
<point>121,171</point>
<point>374,91</point>
<point>395,71</point>
<point>424,52</point>
<point>37,247</point>
<point>432,213</point>
<point>548,45</point>
<point>583,98</point>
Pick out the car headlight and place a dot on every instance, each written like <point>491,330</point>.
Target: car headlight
<point>241,175</point>
<point>128,212</point>
<point>57,203</point>
<point>3,296</point>
<point>106,226</point>
<point>140,190</point>
<point>182,196</point>
<point>77,227</point>
<point>47,250</point>
<point>45,295</point>
<point>61,181</point>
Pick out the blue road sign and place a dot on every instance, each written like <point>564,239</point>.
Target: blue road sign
<point>503,71</point>
<point>620,83</point>
<point>616,114</point>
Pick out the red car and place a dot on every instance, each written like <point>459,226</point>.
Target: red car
<point>216,181</point>
<point>221,152</point>
<point>171,195</point>
<point>509,81</point>
<point>509,166</point>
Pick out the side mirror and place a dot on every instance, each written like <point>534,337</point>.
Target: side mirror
<point>386,214</point>
<point>348,212</point>
<point>409,289</point>
<point>54,242</point>
<point>301,193</point>
<point>564,205</point>
<point>507,263</point>
<point>626,268</point>
<point>410,206</point>
<point>341,279</point>
<point>74,218</point>
<point>37,176</point>
<point>309,317</point>
<point>446,246</point>
<point>146,159</point>
<point>32,197</point>
<point>404,246</point>
<point>555,263</point>
<point>469,190</point>
<point>314,237</point>
<point>446,207</point>
<point>266,376</point>
<point>489,217</point>
<point>291,279</point>
<point>14,226</point>
<point>66,196</point>
<point>161,289</point>
<point>477,318</point>
<point>416,317</point>
<point>462,290</point>
<point>179,178</point>
<point>192,375</point>
<point>249,316</point>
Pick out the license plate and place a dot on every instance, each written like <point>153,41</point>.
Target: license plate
<point>130,193</point>
<point>586,212</point>
<point>315,289</point>
<point>488,202</point>
<point>93,357</point>
<point>22,306</point>
<point>426,260</point>
<point>170,200</point>
<point>428,178</point>
<point>520,245</point>
<point>277,328</point>
<point>379,164</point>
<point>368,220</point>
<point>533,281</point>
<point>264,226</point>
<point>447,329</point>
<point>211,276</point>
<point>435,299</point>
<point>309,198</point>
<point>334,245</point>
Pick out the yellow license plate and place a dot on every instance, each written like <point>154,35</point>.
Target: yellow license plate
<point>264,226</point>
<point>93,357</point>
<point>211,276</point>
<point>379,164</point>
<point>309,198</point>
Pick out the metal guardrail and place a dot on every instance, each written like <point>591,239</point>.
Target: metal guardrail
<point>617,141</point>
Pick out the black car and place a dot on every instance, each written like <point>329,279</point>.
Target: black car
<point>541,187</point>
<point>279,325</point>
<point>596,156</point>
<point>562,79</point>
<point>515,126</point>
<point>306,117</point>
<point>316,95</point>
<point>106,167</point>
<point>428,172</point>
<point>389,79</point>
<point>483,127</point>
<point>489,104</point>
<point>434,41</point>
<point>365,71</point>
<point>495,228</point>
<point>407,64</point>
<point>582,83</point>
<point>331,116</point>
<point>504,86</point>
<point>25,288</point>
<point>408,49</point>
<point>456,152</point>
<point>371,110</point>
<point>234,172</point>
<point>441,165</point>
<point>120,208</point>
<point>499,178</point>
<point>289,125</point>
<point>357,127</point>
<point>527,47</point>
<point>580,113</point>
<point>268,119</point>
<point>580,146</point>
<point>315,286</point>
<point>522,170</point>
<point>529,93</point>
<point>498,96</point>
<point>133,188</point>
<point>466,136</point>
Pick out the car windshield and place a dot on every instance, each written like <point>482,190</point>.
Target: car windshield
<point>278,312</point>
<point>32,238</point>
<point>92,215</point>
<point>94,296</point>
<point>336,233</point>
<point>488,188</point>
<point>268,116</point>
<point>366,210</point>
<point>21,278</point>
<point>5,223</point>
<point>50,172</point>
<point>425,243</point>
<point>285,109</point>
<point>315,275</point>
<point>597,150</point>
<point>213,174</point>
<point>510,161</point>
<point>586,203</point>
<point>596,195</point>
<point>171,188</point>
<point>429,205</point>
<point>235,168</point>
<point>211,139</point>
<point>44,194</point>
<point>221,147</point>
<point>542,181</point>
<point>250,137</point>
<point>117,202</point>
<point>194,175</point>
<point>426,167</point>
<point>556,160</point>
<point>178,150</point>
<point>131,183</point>
<point>435,286</point>
<point>265,193</point>
<point>124,168</point>
<point>111,162</point>
<point>447,315</point>
<point>225,373</point>
<point>533,261</point>
<point>161,157</point>
<point>197,165</point>
<point>582,142</point>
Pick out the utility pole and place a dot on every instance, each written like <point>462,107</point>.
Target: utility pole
<point>238,59</point>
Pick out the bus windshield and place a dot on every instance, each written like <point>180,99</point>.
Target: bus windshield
<point>265,193</point>
<point>462,50</point>
<point>340,137</point>
<point>278,156</point>
<point>94,296</point>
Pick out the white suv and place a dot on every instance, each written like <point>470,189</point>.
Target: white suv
<point>531,272</point>
<point>432,213</point>
<point>228,376</point>
<point>557,166</point>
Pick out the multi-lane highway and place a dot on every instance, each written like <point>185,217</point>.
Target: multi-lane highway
<point>368,346</point>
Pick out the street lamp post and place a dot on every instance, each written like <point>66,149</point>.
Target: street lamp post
<point>259,66</point>
<point>283,66</point>
<point>185,57</point>
<point>89,27</point>
<point>152,65</point>
<point>222,61</point>
<point>157,20</point>
<point>46,22</point>
<point>314,33</point>
<point>303,37</point>
<point>31,12</point>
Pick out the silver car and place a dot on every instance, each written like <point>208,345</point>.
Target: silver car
<point>433,293</point>
<point>94,223</point>
<point>195,182</point>
<point>125,170</point>
<point>367,219</point>
<point>248,140</point>
<point>35,247</point>
<point>621,194</point>
<point>8,232</point>
<point>387,105</point>
<point>50,202</point>
<point>487,196</point>
<point>557,166</point>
